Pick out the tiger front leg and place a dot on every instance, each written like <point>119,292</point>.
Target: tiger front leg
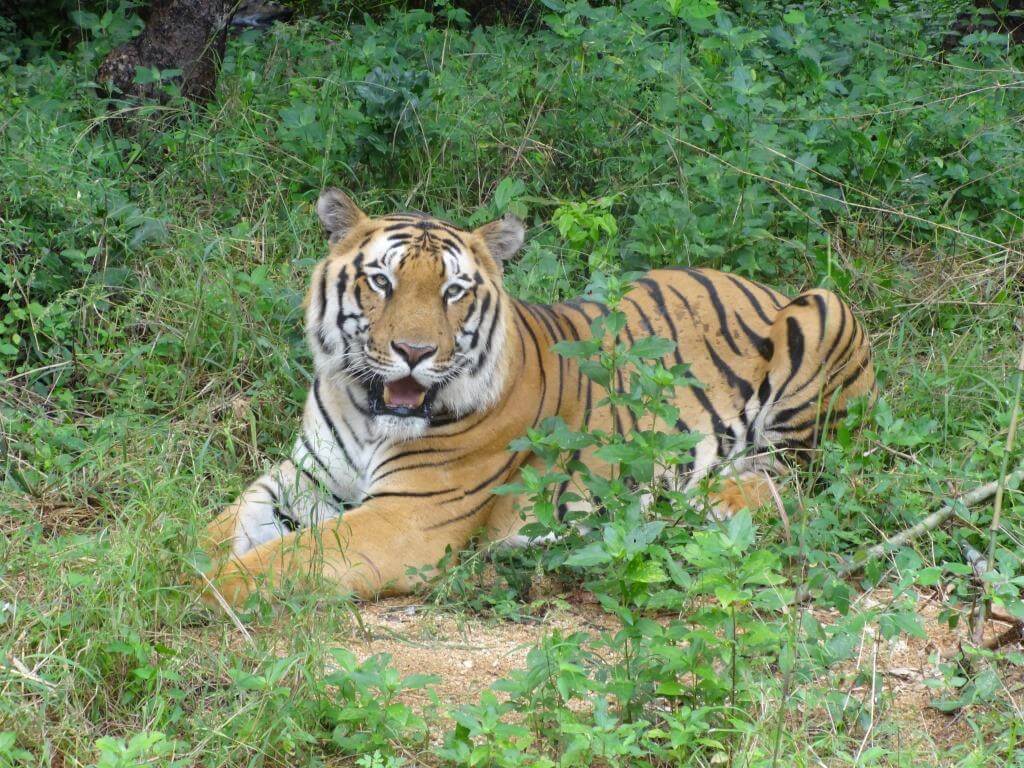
<point>281,501</point>
<point>368,552</point>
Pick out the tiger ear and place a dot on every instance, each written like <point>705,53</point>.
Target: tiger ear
<point>503,237</point>
<point>338,213</point>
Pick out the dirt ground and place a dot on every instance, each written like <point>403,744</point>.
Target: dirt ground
<point>469,654</point>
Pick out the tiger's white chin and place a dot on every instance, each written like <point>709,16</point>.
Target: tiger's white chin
<point>400,428</point>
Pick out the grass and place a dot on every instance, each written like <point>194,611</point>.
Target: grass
<point>151,293</point>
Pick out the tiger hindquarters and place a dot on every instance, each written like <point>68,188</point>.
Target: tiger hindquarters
<point>821,361</point>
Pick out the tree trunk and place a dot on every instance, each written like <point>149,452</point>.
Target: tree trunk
<point>183,35</point>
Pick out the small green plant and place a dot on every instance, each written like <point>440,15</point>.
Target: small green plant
<point>150,748</point>
<point>590,230</point>
<point>12,756</point>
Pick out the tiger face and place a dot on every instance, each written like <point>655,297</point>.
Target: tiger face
<point>411,311</point>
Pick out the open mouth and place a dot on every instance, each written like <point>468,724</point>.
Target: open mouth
<point>402,397</point>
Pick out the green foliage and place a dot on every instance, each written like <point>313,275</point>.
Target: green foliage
<point>152,359</point>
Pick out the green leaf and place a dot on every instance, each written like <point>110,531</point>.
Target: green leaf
<point>652,347</point>
<point>589,556</point>
<point>740,530</point>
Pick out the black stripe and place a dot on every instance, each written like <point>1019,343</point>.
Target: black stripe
<point>644,320</point>
<point>684,301</point>
<point>335,497</point>
<point>682,426</point>
<point>854,376</point>
<point>798,427</point>
<point>576,337</point>
<point>772,296</point>
<point>843,311</point>
<point>537,312</point>
<point>330,423</point>
<point>420,465</point>
<point>620,386</point>
<point>731,377</point>
<point>553,333</point>
<point>325,343</point>
<point>844,357</point>
<point>750,297</point>
<point>351,432</point>
<point>764,345</point>
<point>340,288</point>
<point>319,462</point>
<point>356,404</point>
<point>718,430</point>
<point>716,302</point>
<point>659,300</point>
<point>405,454</point>
<point>269,491</point>
<point>795,342</point>
<point>409,494</point>
<point>463,516</point>
<point>286,521</point>
<point>540,361</point>
<point>323,293</point>
<point>780,418</point>
<point>486,351</point>
<point>467,428</point>
<point>602,310</point>
<point>819,302</point>
<point>485,306</point>
<point>503,469</point>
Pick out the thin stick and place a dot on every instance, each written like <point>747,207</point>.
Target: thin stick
<point>993,529</point>
<point>980,494</point>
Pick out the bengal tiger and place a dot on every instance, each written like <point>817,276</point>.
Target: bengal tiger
<point>425,370</point>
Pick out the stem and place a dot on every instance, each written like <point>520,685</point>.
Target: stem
<point>993,529</point>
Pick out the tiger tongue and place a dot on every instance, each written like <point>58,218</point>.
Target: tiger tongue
<point>405,392</point>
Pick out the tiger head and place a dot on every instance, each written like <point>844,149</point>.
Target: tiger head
<point>411,310</point>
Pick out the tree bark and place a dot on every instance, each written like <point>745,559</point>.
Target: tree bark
<point>184,35</point>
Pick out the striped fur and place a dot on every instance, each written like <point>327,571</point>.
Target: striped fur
<point>367,494</point>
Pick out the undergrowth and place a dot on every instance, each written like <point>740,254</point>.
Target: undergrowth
<point>151,344</point>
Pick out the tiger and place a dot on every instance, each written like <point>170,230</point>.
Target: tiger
<point>425,369</point>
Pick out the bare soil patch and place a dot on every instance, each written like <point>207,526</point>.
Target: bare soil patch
<point>469,653</point>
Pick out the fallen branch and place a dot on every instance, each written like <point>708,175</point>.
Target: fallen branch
<point>976,560</point>
<point>979,495</point>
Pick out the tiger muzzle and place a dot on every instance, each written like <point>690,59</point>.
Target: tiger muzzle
<point>405,398</point>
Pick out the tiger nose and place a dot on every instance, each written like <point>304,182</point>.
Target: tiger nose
<point>413,353</point>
